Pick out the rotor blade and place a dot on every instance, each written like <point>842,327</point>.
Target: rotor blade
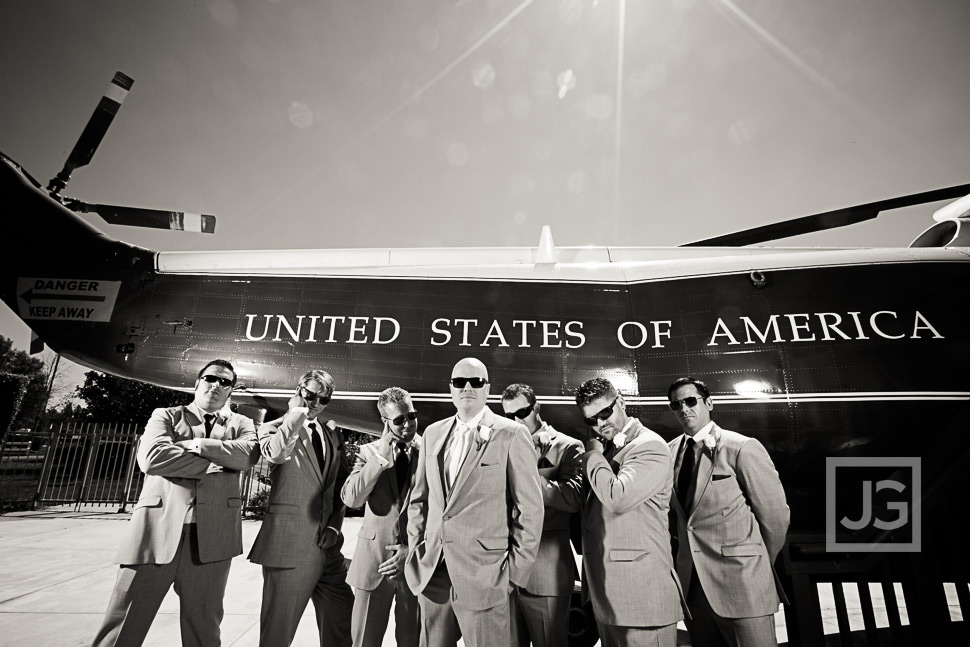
<point>94,132</point>
<point>828,219</point>
<point>153,218</point>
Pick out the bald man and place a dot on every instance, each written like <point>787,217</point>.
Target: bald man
<point>475,518</point>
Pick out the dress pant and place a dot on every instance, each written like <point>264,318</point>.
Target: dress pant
<point>616,636</point>
<point>286,592</point>
<point>140,589</point>
<point>445,618</point>
<point>373,608</point>
<point>707,629</point>
<point>540,620</point>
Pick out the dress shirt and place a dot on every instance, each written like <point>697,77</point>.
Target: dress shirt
<point>699,437</point>
<point>458,444</point>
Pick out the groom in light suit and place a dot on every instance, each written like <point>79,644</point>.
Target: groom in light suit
<point>299,542</point>
<point>475,518</point>
<point>731,524</point>
<point>382,477</point>
<point>628,573</point>
<point>186,526</point>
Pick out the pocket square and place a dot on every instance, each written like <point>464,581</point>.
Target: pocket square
<point>721,477</point>
<point>544,462</point>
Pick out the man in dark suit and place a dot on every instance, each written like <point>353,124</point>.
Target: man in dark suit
<point>382,478</point>
<point>300,539</point>
<point>540,609</point>
<point>475,518</point>
<point>628,570</point>
<point>731,523</point>
<point>186,526</point>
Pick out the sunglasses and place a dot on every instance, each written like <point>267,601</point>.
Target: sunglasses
<point>397,422</point>
<point>212,379</point>
<point>521,414</point>
<point>312,397</point>
<point>691,402</point>
<point>592,421</point>
<point>476,382</point>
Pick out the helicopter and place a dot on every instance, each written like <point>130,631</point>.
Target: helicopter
<point>818,353</point>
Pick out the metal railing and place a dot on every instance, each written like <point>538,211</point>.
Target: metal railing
<point>86,464</point>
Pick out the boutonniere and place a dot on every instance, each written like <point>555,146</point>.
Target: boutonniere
<point>483,435</point>
<point>543,441</point>
<point>710,444</point>
<point>619,440</point>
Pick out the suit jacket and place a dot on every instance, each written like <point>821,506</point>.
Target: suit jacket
<point>735,526</point>
<point>303,497</point>
<point>629,574</point>
<point>487,529</point>
<point>561,480</point>
<point>385,517</point>
<point>175,477</point>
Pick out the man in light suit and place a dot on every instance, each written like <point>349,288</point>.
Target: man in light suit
<point>540,609</point>
<point>474,520</point>
<point>300,539</point>
<point>186,526</point>
<point>382,477</point>
<point>731,525</point>
<point>627,566</point>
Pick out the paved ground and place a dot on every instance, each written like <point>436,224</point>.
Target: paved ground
<point>58,572</point>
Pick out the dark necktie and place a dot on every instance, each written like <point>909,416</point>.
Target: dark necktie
<point>402,466</point>
<point>208,424</point>
<point>317,444</point>
<point>686,474</point>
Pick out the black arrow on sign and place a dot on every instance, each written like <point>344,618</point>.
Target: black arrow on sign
<point>29,296</point>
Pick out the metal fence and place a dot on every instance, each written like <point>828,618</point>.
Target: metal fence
<point>89,464</point>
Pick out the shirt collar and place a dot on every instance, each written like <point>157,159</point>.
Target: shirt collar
<point>198,412</point>
<point>628,424</point>
<point>475,420</point>
<point>702,434</point>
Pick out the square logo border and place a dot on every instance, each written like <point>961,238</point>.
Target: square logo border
<point>832,545</point>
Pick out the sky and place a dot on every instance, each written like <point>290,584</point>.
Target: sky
<point>423,123</point>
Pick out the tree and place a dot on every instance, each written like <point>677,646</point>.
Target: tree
<point>116,399</point>
<point>17,362</point>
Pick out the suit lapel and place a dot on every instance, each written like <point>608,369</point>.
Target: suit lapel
<point>193,422</point>
<point>305,447</point>
<point>434,462</point>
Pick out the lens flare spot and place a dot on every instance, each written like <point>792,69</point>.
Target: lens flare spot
<point>483,76</point>
<point>519,217</point>
<point>428,39</point>
<point>300,114</point>
<point>566,82</point>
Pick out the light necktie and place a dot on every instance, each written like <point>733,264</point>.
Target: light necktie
<point>686,474</point>
<point>317,444</point>
<point>402,466</point>
<point>456,452</point>
<point>208,424</point>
